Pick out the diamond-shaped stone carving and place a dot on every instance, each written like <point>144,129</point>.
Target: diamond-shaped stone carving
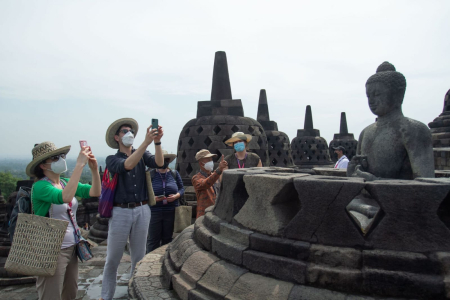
<point>186,132</point>
<point>364,211</point>
<point>260,142</point>
<point>191,142</point>
<point>199,129</point>
<point>189,169</point>
<point>250,129</point>
<point>274,162</point>
<point>235,128</point>
<point>217,129</point>
<point>208,141</point>
<point>183,155</point>
<point>279,153</point>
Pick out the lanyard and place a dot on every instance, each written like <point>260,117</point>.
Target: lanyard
<point>337,163</point>
<point>163,181</point>
<point>243,165</point>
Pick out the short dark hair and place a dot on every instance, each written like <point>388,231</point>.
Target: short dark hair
<point>38,172</point>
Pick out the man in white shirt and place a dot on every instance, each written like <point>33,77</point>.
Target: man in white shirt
<point>342,159</point>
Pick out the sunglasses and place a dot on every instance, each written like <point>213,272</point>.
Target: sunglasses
<point>167,159</point>
<point>56,157</point>
<point>125,131</point>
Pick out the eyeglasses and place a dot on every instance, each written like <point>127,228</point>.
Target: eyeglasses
<point>125,131</point>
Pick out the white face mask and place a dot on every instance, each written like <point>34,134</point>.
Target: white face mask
<point>128,139</point>
<point>58,166</point>
<point>209,166</point>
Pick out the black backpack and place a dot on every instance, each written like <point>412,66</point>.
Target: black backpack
<point>23,205</point>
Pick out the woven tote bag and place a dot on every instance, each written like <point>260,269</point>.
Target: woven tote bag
<point>183,217</point>
<point>36,246</point>
<point>151,193</point>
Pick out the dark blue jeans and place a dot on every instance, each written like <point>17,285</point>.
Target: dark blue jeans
<point>160,230</point>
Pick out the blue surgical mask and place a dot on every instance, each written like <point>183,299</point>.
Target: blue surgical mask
<point>239,147</point>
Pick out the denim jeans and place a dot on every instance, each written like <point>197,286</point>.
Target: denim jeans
<point>160,230</point>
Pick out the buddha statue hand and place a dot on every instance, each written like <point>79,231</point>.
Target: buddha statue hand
<point>357,161</point>
<point>359,171</point>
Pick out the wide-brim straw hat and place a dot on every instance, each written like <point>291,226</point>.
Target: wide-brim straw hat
<point>204,154</point>
<point>238,136</point>
<point>112,129</point>
<point>167,155</point>
<point>41,153</point>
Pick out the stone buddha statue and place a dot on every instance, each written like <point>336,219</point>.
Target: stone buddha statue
<point>395,146</point>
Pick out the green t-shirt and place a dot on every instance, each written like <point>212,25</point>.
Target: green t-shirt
<point>45,194</point>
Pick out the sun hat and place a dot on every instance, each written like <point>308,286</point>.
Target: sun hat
<point>42,152</point>
<point>203,154</point>
<point>170,156</point>
<point>238,136</point>
<point>112,129</point>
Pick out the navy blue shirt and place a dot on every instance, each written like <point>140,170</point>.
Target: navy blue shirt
<point>131,185</point>
<point>173,186</point>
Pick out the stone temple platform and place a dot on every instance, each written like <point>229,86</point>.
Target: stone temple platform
<point>275,234</point>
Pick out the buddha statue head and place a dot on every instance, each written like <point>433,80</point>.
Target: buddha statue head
<point>385,90</point>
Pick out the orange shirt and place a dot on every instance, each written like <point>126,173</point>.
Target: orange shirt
<point>203,185</point>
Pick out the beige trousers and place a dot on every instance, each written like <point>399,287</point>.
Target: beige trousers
<point>64,284</point>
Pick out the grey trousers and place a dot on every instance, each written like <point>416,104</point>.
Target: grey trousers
<point>64,284</point>
<point>125,223</point>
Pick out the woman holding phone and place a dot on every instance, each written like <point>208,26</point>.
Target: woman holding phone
<point>168,188</point>
<point>54,197</point>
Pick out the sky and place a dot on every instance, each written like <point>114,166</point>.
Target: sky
<point>68,69</point>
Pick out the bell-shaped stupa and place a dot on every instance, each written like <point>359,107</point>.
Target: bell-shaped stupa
<point>344,139</point>
<point>309,149</point>
<point>280,154</point>
<point>440,127</point>
<point>217,119</point>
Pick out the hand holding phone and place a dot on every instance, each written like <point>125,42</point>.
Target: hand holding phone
<point>155,125</point>
<point>83,143</point>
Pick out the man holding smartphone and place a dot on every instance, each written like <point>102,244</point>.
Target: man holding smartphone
<point>131,212</point>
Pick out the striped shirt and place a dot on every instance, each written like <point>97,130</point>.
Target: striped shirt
<point>173,186</point>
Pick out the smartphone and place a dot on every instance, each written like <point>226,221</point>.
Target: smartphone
<point>155,124</point>
<point>160,196</point>
<point>83,143</point>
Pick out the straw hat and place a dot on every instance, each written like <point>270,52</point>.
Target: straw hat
<point>203,153</point>
<point>42,152</point>
<point>167,155</point>
<point>112,129</point>
<point>238,136</point>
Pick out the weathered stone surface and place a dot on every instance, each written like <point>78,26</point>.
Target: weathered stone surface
<point>212,222</point>
<point>302,292</point>
<point>253,286</point>
<point>280,154</point>
<point>441,125</point>
<point>323,218</point>
<point>330,171</point>
<point>394,147</point>
<point>167,271</point>
<point>203,236</point>
<point>410,222</point>
<point>400,261</point>
<point>181,286</point>
<point>196,265</point>
<point>279,267</point>
<point>335,256</point>
<point>403,284</point>
<point>219,279</point>
<point>236,234</point>
<point>272,203</point>
<point>280,246</point>
<point>344,139</point>
<point>186,234</point>
<point>308,148</point>
<point>216,121</point>
<point>233,194</point>
<point>348,280</point>
<point>228,249</point>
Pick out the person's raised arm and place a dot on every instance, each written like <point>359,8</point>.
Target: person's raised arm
<point>136,156</point>
<point>96,188</point>
<point>71,188</point>
<point>159,156</point>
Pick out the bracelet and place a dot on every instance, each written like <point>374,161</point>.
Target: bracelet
<point>157,144</point>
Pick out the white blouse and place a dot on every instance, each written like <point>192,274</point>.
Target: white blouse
<point>59,211</point>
